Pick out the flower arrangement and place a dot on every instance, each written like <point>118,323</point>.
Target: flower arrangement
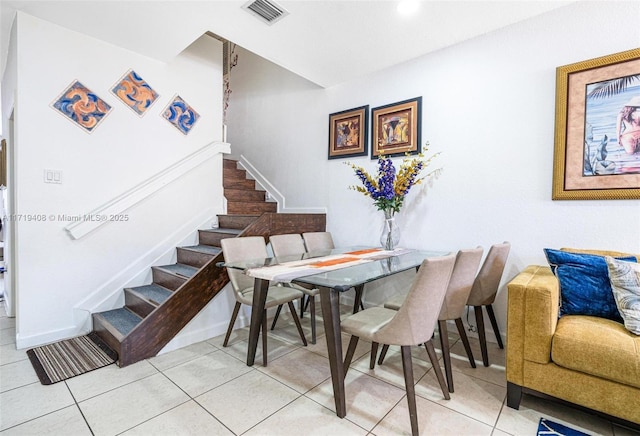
<point>389,187</point>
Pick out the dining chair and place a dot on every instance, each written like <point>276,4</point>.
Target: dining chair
<point>412,324</point>
<point>254,247</point>
<point>483,293</point>
<point>455,300</point>
<point>292,245</point>
<point>323,241</point>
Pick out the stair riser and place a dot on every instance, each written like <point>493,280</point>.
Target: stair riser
<point>108,334</point>
<point>250,207</point>
<point>212,238</point>
<point>168,280</point>
<point>137,304</point>
<point>244,195</point>
<point>234,174</point>
<point>236,221</point>
<point>190,257</point>
<point>229,164</point>
<point>239,184</point>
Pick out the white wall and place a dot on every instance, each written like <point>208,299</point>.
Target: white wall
<point>488,105</point>
<point>61,280</point>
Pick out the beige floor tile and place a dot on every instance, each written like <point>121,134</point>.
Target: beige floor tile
<point>108,378</point>
<point>16,374</point>
<point>8,336</point>
<point>321,347</point>
<point>67,421</point>
<point>433,419</point>
<point>132,404</point>
<point>287,330</point>
<point>237,335</point>
<point>6,322</point>
<point>494,373</point>
<point>497,432</point>
<point>301,369</point>
<point>368,399</point>
<point>31,401</point>
<point>187,419</point>
<point>247,400</point>
<point>276,348</point>
<point>9,354</point>
<point>525,420</point>
<point>181,355</point>
<point>200,375</point>
<point>473,397</point>
<point>308,415</point>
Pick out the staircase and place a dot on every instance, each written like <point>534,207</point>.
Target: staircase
<point>154,313</point>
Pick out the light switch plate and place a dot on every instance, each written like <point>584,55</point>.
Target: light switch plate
<point>53,176</point>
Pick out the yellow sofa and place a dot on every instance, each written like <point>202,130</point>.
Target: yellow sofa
<point>592,362</point>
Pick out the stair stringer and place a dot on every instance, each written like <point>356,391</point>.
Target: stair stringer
<point>169,318</point>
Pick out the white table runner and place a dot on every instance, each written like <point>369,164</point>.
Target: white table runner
<point>288,271</point>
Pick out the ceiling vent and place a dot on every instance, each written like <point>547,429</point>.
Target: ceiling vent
<point>266,10</point>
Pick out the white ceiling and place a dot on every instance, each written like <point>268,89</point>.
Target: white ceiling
<point>327,42</point>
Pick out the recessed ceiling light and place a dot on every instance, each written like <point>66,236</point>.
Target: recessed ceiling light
<point>408,7</point>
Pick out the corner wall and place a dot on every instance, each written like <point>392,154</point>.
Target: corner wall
<point>56,274</point>
<point>488,105</point>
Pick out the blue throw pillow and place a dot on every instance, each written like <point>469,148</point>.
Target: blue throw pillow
<point>585,288</point>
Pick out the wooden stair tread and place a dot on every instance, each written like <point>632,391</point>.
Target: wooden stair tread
<point>224,230</point>
<point>179,269</point>
<point>154,293</point>
<point>206,249</point>
<point>122,319</point>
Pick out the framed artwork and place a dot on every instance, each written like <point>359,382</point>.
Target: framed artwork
<point>597,132</point>
<point>81,106</point>
<point>395,128</point>
<point>135,92</point>
<point>181,116</point>
<point>348,132</point>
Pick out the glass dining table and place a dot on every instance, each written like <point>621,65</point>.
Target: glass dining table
<point>330,284</point>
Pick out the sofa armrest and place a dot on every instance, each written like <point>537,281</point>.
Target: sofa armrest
<point>532,317</point>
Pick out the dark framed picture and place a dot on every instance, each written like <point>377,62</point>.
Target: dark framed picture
<point>395,128</point>
<point>348,133</point>
<point>597,132</point>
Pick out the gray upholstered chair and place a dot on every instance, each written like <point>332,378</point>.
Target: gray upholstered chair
<point>292,245</point>
<point>323,241</point>
<point>483,293</point>
<point>455,300</point>
<point>411,325</point>
<point>318,241</point>
<point>247,248</point>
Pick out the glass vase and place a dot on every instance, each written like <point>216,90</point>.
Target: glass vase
<point>390,232</point>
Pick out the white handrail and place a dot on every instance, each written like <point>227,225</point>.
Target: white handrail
<point>273,192</point>
<point>94,219</point>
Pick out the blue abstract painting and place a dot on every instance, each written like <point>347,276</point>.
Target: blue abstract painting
<point>182,116</point>
<point>135,92</point>
<point>81,106</point>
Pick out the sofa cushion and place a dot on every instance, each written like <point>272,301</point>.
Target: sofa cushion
<point>584,284</point>
<point>598,347</point>
<point>625,284</point>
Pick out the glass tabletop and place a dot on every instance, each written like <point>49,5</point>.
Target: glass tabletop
<point>345,278</point>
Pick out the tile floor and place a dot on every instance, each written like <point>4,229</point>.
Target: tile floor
<point>205,389</point>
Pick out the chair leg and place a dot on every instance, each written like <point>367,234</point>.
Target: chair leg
<point>234,315</point>
<point>407,367</point>
<point>374,354</point>
<point>353,343</point>
<point>494,324</point>
<point>275,318</point>
<point>357,303</point>
<point>446,355</point>
<point>264,338</point>
<point>302,306</point>
<point>294,315</point>
<point>465,342</point>
<point>383,353</point>
<point>436,367</point>
<point>313,318</point>
<point>481,335</point>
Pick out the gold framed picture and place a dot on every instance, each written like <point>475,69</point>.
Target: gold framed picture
<point>348,133</point>
<point>597,131</point>
<point>395,128</point>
